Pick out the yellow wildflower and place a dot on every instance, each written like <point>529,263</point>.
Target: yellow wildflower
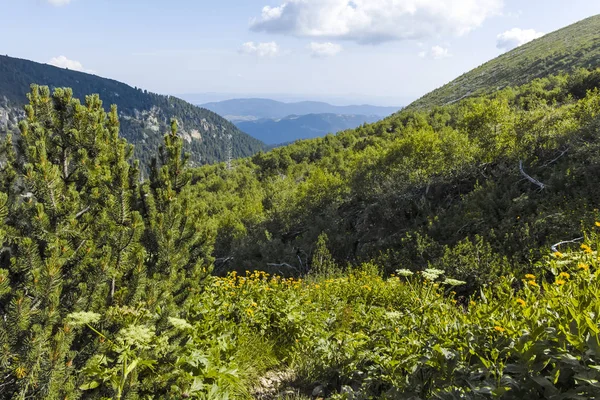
<point>598,224</point>
<point>560,282</point>
<point>20,372</point>
<point>530,277</point>
<point>500,329</point>
<point>533,283</point>
<point>586,248</point>
<point>521,302</point>
<point>558,254</point>
<point>564,275</point>
<point>583,266</point>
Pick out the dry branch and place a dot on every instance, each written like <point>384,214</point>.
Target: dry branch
<point>529,178</point>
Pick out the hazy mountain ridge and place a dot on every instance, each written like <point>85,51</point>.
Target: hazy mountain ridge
<point>144,115</point>
<point>296,127</point>
<point>276,122</point>
<point>569,48</point>
<point>243,109</point>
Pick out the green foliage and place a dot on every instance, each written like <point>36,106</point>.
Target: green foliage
<point>322,262</point>
<point>81,237</point>
<point>408,336</point>
<point>419,185</point>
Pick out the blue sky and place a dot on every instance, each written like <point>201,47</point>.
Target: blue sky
<point>345,51</point>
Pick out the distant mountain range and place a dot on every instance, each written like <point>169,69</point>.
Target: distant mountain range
<point>144,116</point>
<point>275,122</point>
<point>254,109</point>
<point>295,127</point>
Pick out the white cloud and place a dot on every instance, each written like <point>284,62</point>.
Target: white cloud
<point>375,21</point>
<point>327,49</point>
<point>516,37</point>
<point>64,62</point>
<point>59,3</point>
<point>439,52</point>
<point>269,49</point>
<point>436,52</point>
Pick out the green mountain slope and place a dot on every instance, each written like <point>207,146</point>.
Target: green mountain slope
<point>432,185</point>
<point>440,187</point>
<point>572,47</point>
<point>144,116</point>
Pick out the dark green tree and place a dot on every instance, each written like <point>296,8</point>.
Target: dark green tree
<point>71,239</point>
<point>179,245</point>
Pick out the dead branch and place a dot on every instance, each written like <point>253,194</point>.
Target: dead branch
<point>529,178</point>
<point>555,247</point>
<point>557,158</point>
<point>80,213</point>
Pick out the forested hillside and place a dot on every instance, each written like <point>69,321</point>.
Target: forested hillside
<point>143,115</point>
<point>442,187</point>
<point>575,46</point>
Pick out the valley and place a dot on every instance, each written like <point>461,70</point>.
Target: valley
<point>275,122</point>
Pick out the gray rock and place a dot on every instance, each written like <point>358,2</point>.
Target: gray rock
<point>318,391</point>
<point>348,391</point>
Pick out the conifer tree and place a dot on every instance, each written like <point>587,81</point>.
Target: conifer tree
<point>179,245</point>
<point>323,263</point>
<point>70,238</point>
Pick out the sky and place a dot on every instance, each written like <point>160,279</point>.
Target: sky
<point>383,52</point>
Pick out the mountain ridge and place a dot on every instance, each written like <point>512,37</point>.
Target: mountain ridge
<point>299,127</point>
<point>562,51</point>
<point>144,115</point>
<point>260,108</point>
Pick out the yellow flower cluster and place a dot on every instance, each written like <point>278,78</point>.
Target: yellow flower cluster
<point>587,249</point>
<point>530,279</point>
<point>583,267</point>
